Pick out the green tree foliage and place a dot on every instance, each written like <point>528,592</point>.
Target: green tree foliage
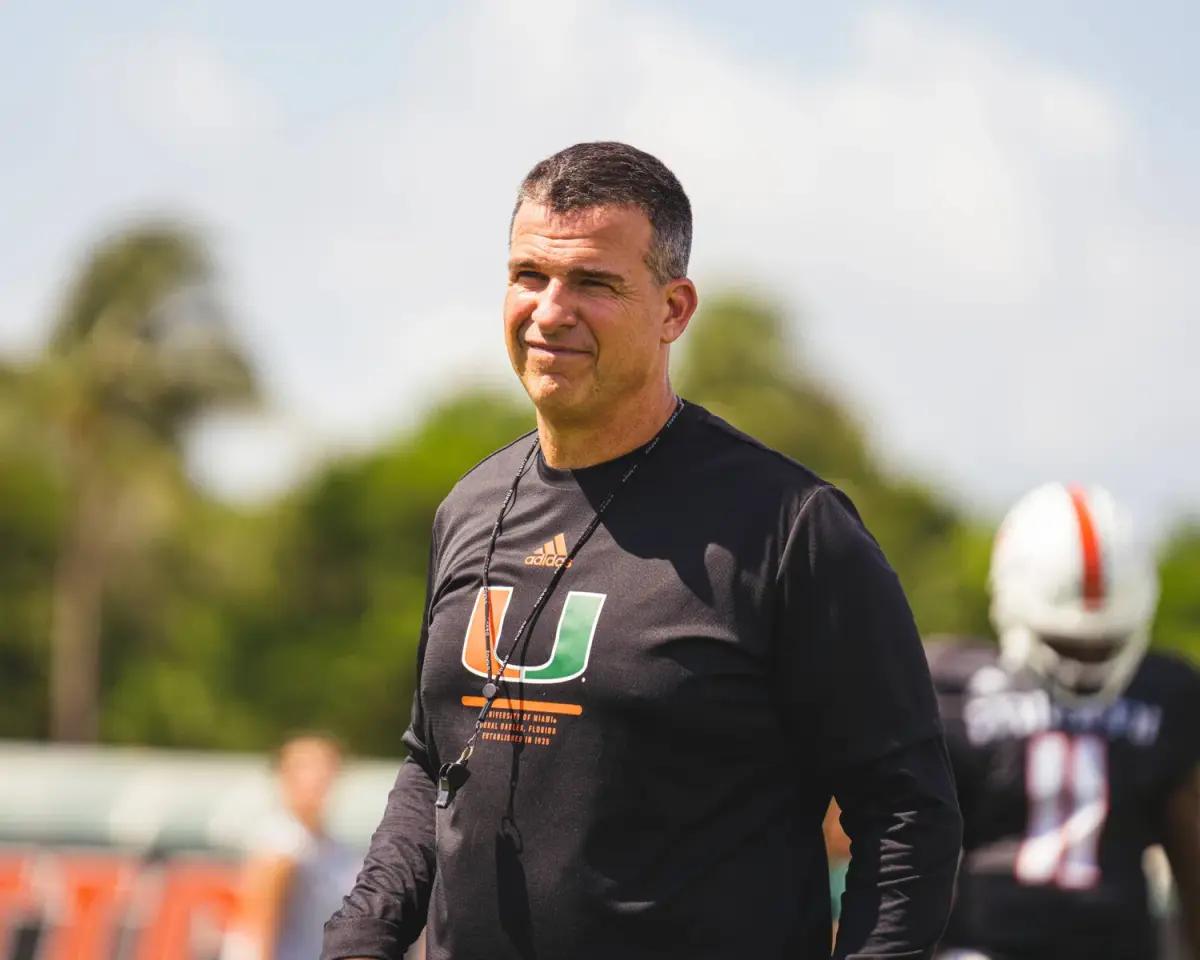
<point>32,504</point>
<point>137,351</point>
<point>1177,627</point>
<point>181,627</point>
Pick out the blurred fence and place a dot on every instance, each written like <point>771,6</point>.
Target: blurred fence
<point>132,854</point>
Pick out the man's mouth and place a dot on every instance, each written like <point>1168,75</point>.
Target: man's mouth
<point>554,350</point>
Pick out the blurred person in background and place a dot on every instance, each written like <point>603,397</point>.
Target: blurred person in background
<point>650,762</point>
<point>837,848</point>
<point>1074,749</point>
<point>296,873</point>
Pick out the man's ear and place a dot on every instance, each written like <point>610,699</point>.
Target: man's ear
<point>682,300</point>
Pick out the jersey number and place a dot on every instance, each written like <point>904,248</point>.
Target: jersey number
<point>1066,781</point>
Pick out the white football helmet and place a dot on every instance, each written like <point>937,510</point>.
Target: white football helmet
<point>1067,572</point>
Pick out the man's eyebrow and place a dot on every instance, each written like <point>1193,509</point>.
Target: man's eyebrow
<point>525,263</point>
<point>574,274</point>
<point>588,273</point>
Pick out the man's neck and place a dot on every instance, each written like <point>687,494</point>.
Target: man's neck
<point>572,445</point>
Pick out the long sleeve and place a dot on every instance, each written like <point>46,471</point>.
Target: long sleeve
<point>902,818</point>
<point>386,909</point>
<point>863,716</point>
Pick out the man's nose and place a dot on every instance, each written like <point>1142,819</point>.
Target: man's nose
<point>555,309</point>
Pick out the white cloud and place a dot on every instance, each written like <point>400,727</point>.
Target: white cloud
<point>185,93</point>
<point>961,226</point>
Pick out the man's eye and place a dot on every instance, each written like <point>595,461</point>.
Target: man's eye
<point>596,284</point>
<point>529,276</point>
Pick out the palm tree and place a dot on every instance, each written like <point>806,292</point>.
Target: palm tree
<point>138,351</point>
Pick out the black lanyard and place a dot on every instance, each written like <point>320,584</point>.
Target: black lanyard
<point>451,776</point>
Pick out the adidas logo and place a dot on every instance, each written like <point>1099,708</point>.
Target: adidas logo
<point>552,553</point>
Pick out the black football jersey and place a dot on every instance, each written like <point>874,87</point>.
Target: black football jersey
<point>1059,804</point>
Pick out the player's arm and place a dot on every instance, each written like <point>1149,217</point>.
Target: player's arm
<point>1182,843</point>
<point>860,697</point>
<point>385,911</point>
<point>264,887</point>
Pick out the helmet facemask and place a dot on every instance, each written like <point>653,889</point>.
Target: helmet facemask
<point>1074,676</point>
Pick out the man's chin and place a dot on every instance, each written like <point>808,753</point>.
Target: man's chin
<point>555,396</point>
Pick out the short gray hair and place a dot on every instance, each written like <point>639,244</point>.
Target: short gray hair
<point>607,173</point>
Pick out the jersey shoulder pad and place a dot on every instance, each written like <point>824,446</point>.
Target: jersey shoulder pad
<point>1173,685</point>
<point>1166,679</point>
<point>956,662</point>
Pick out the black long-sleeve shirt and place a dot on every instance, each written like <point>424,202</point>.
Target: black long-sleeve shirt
<point>725,653</point>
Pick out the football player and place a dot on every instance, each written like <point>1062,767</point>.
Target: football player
<point>1074,749</point>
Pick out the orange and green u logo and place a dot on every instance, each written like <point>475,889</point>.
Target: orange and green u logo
<point>572,640</point>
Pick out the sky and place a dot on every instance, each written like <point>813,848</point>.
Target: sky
<point>982,218</point>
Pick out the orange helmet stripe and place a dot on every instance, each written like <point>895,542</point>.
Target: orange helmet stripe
<point>1093,580</point>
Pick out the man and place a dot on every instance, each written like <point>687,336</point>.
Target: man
<point>653,649</point>
<point>1075,750</point>
<point>295,873</point>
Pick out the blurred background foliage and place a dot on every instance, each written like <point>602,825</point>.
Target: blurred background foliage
<point>134,608</point>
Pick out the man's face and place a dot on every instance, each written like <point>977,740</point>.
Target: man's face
<point>308,767</point>
<point>585,321</point>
